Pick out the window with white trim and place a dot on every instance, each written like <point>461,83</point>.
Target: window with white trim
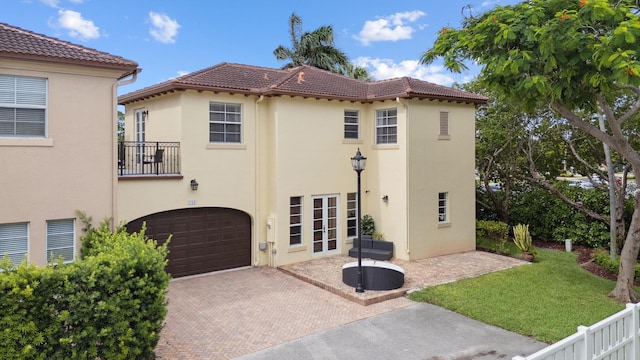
<point>61,236</point>
<point>14,241</point>
<point>443,207</point>
<point>352,214</point>
<point>225,123</point>
<point>351,124</point>
<point>387,126</point>
<point>444,123</point>
<point>295,220</point>
<point>23,106</point>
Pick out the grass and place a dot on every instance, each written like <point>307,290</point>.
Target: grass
<point>546,300</point>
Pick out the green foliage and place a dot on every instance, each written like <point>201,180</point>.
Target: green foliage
<point>522,239</point>
<point>549,218</point>
<point>492,230</point>
<point>377,235</point>
<point>603,258</point>
<point>368,225</point>
<point>492,235</point>
<point>109,305</point>
<point>556,49</point>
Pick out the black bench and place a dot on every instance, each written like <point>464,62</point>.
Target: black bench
<point>373,249</point>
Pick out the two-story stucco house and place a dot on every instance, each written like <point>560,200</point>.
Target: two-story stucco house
<point>250,166</point>
<point>57,141</point>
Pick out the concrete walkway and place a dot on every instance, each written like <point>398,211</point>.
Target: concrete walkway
<point>417,332</point>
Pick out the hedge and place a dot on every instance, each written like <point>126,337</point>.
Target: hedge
<point>109,305</point>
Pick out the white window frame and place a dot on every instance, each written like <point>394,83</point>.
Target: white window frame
<point>351,120</point>
<point>387,126</point>
<point>66,234</point>
<point>443,207</point>
<point>12,233</point>
<point>231,116</point>
<point>25,96</point>
<point>352,215</point>
<point>296,228</point>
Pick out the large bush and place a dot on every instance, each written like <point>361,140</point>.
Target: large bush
<point>108,305</point>
<point>549,218</point>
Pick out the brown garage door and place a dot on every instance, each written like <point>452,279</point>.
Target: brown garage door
<point>204,239</point>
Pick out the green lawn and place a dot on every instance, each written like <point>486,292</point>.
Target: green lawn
<point>546,300</point>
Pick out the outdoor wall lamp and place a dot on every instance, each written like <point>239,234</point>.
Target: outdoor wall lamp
<point>385,198</point>
<point>358,163</point>
<point>194,185</point>
<point>145,113</point>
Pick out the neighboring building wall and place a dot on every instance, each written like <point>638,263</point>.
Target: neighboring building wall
<point>73,167</point>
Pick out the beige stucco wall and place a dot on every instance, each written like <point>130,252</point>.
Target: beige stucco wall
<point>294,147</point>
<point>73,167</point>
<point>441,165</point>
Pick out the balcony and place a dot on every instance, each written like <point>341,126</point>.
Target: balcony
<point>148,159</point>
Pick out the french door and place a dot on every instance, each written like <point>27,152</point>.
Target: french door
<point>325,223</point>
<point>140,130</point>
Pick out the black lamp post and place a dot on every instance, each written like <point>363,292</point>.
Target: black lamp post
<point>358,162</point>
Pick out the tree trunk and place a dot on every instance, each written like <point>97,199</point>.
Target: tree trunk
<point>624,291</point>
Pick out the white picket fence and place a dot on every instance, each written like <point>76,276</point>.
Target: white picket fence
<point>614,338</point>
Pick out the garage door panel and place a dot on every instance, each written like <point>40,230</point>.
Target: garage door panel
<point>204,239</point>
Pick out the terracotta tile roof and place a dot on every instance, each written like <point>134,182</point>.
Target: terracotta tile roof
<point>18,43</point>
<point>305,81</point>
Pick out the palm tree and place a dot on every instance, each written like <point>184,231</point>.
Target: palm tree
<point>311,48</point>
<point>355,72</point>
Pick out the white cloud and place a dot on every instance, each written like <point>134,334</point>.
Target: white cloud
<point>77,26</point>
<point>381,69</point>
<point>52,3</point>
<point>55,3</point>
<point>163,28</point>
<point>390,28</point>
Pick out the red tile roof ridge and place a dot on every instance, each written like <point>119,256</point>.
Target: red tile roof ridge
<point>303,80</point>
<point>92,55</point>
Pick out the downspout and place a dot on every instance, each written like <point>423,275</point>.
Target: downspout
<point>258,218</point>
<point>114,140</point>
<point>407,246</point>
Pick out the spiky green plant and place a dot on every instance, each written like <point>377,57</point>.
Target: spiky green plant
<point>522,239</point>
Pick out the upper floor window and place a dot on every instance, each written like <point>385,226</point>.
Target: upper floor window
<point>444,123</point>
<point>14,241</point>
<point>387,126</point>
<point>225,123</point>
<point>351,124</point>
<point>61,239</point>
<point>23,106</point>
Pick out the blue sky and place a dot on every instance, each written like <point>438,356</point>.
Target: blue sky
<point>169,38</point>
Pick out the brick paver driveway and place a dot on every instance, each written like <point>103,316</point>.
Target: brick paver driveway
<point>229,314</point>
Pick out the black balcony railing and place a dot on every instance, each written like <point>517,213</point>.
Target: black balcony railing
<point>148,158</point>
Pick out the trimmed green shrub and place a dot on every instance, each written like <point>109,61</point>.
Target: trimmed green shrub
<point>492,230</point>
<point>108,305</point>
<point>603,259</point>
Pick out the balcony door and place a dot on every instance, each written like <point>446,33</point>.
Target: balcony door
<point>140,116</point>
<point>325,224</point>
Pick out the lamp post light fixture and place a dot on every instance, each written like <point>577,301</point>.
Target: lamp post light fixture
<point>194,185</point>
<point>358,163</point>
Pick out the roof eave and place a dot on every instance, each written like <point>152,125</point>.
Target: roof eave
<point>132,66</point>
